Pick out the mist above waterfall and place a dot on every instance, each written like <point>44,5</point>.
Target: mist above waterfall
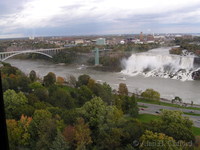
<point>160,63</point>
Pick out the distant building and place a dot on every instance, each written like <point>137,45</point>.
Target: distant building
<point>101,41</point>
<point>31,38</point>
<point>141,36</point>
<point>122,42</point>
<point>79,41</point>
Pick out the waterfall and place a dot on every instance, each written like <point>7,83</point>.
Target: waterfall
<point>159,64</point>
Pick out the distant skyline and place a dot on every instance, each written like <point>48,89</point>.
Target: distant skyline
<point>24,18</point>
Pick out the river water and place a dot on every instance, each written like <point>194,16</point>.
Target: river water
<point>168,88</point>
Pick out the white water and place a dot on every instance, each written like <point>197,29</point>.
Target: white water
<point>159,63</point>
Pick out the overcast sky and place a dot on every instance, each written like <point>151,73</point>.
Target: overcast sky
<point>19,18</point>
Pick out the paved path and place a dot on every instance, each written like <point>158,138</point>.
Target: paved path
<point>153,108</point>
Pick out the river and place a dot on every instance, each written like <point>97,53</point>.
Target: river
<point>168,88</point>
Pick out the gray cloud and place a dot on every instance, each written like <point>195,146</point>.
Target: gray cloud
<point>91,16</point>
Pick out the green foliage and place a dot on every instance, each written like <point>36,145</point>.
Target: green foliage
<point>59,143</point>
<point>151,94</point>
<point>35,85</point>
<point>12,100</point>
<point>84,95</point>
<point>83,80</point>
<point>176,51</point>
<point>49,79</point>
<point>157,141</point>
<point>173,124</point>
<point>42,94</point>
<point>103,91</point>
<point>128,105</point>
<point>94,111</point>
<point>65,57</point>
<point>18,132</point>
<point>61,98</point>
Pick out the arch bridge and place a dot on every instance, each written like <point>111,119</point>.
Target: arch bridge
<point>46,52</point>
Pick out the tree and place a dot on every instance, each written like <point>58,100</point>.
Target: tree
<point>24,124</point>
<point>129,105</point>
<point>83,79</point>
<point>35,85</point>
<point>133,109</point>
<point>61,98</point>
<point>72,81</point>
<point>177,99</point>
<point>49,79</point>
<point>133,130</point>
<point>84,95</point>
<point>12,100</point>
<point>91,83</point>
<point>32,76</point>
<point>60,80</point>
<point>18,132</point>
<point>173,124</point>
<point>82,134</point>
<point>22,83</point>
<point>59,143</point>
<point>42,129</point>
<point>14,133</point>
<point>42,94</point>
<point>103,91</point>
<point>94,112</point>
<point>151,94</point>
<point>158,141</point>
<point>69,134</point>
<point>123,90</point>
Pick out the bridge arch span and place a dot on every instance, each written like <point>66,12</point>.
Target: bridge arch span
<point>36,52</point>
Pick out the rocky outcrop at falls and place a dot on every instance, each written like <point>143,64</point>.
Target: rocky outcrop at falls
<point>196,75</point>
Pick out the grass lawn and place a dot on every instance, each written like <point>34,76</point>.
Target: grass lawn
<point>142,106</point>
<point>192,114</point>
<point>165,104</point>
<point>147,117</point>
<point>196,130</point>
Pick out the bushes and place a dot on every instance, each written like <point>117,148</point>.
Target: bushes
<point>151,94</point>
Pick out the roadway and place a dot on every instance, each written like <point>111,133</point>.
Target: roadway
<point>155,110</point>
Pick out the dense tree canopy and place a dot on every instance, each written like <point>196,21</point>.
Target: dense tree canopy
<point>45,114</point>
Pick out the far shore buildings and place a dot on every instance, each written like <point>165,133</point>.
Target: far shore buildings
<point>101,41</point>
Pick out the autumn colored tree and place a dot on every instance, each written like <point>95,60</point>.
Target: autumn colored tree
<point>91,83</point>
<point>69,135</point>
<point>18,132</point>
<point>158,141</point>
<point>60,80</point>
<point>82,134</point>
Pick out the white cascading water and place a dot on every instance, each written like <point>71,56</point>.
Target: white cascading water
<point>160,63</point>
